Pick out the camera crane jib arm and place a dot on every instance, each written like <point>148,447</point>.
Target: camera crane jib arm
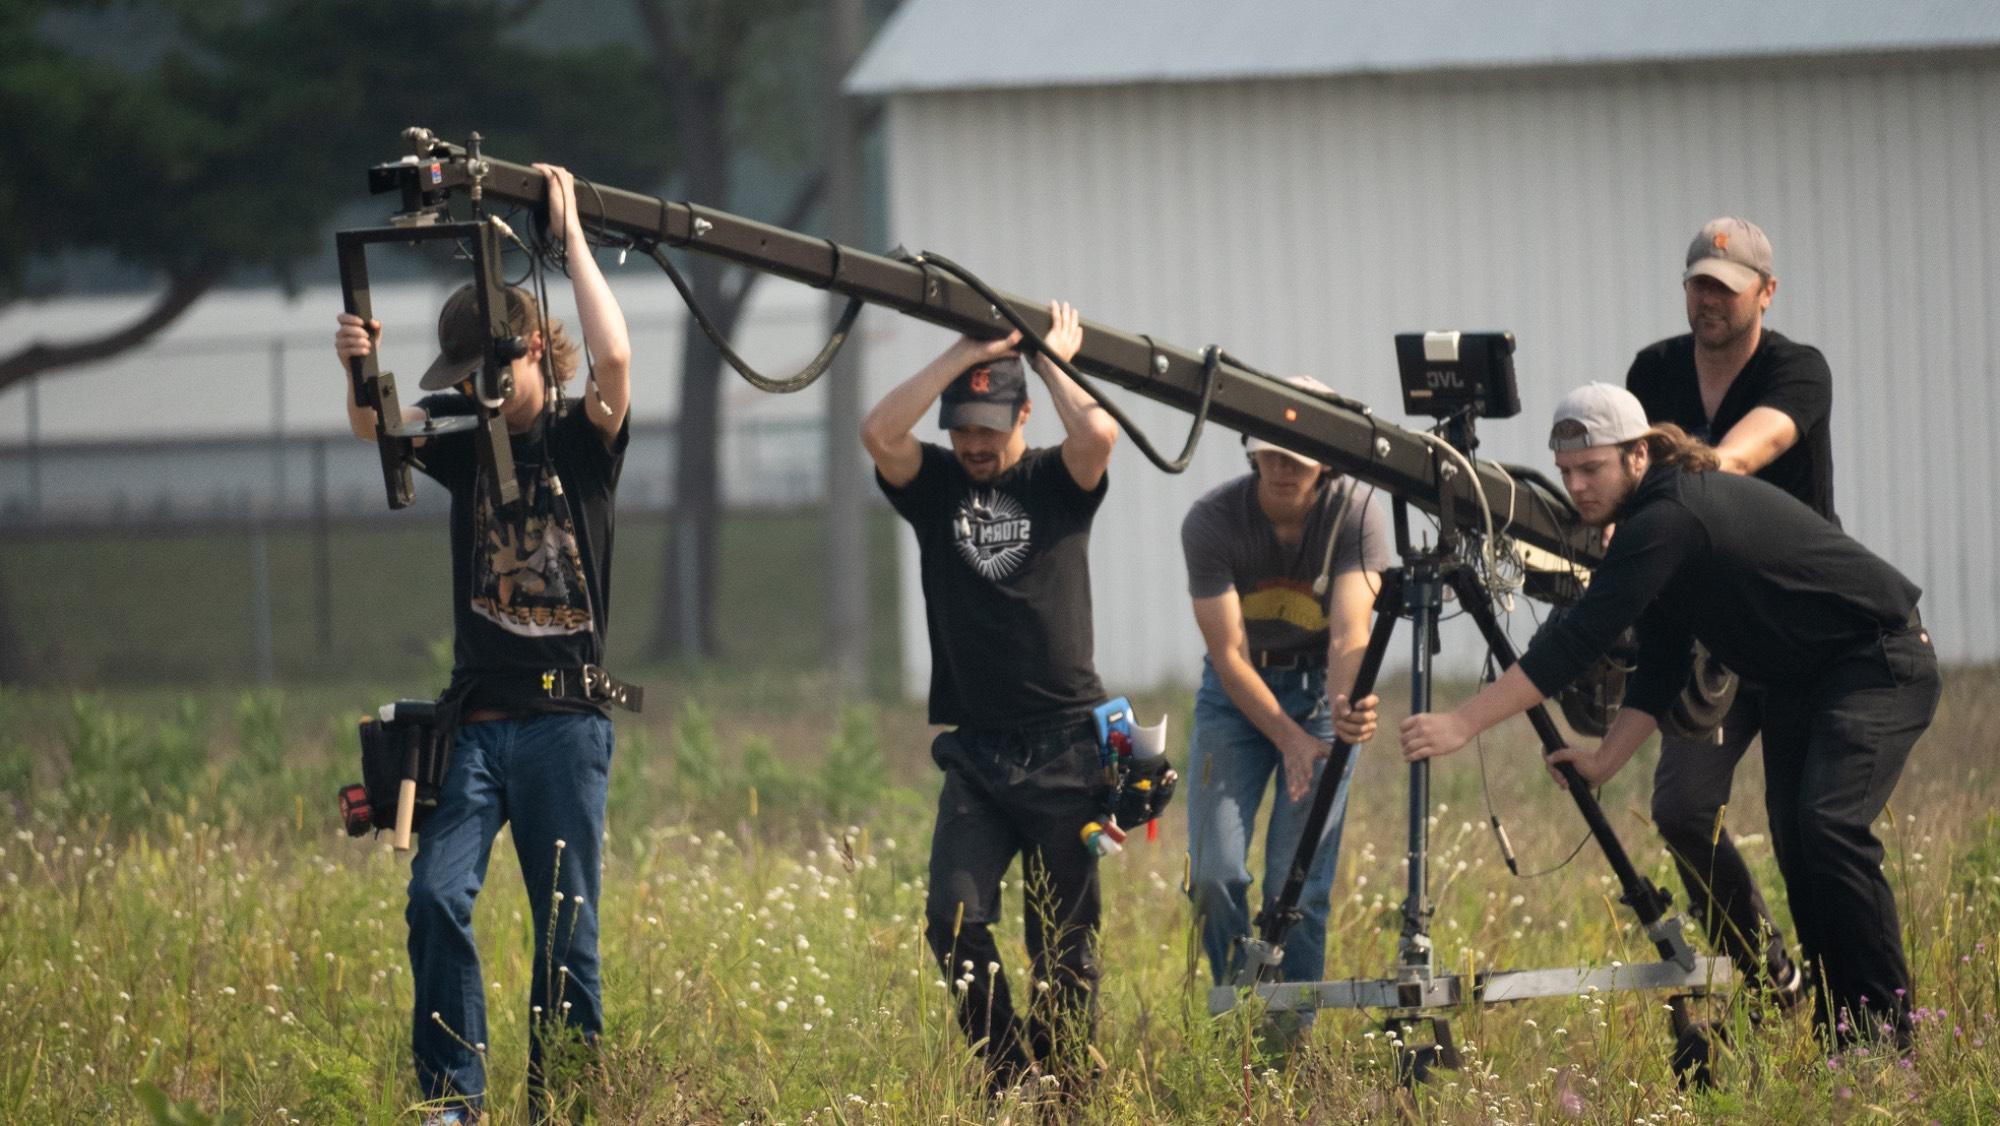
<point>1339,433</point>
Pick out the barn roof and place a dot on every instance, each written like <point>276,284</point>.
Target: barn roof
<point>937,45</point>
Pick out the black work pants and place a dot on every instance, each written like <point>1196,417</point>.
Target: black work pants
<point>1832,755</point>
<point>1690,788</point>
<point>1030,793</point>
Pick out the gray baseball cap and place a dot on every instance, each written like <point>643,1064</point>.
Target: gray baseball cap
<point>1732,251</point>
<point>1597,414</point>
<point>988,395</point>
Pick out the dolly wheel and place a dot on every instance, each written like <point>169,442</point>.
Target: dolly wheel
<point>1694,1052</point>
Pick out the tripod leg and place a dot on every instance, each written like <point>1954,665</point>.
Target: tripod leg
<point>1640,893</point>
<point>1262,952</point>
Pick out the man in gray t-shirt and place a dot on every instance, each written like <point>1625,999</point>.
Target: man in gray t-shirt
<point>1283,565</point>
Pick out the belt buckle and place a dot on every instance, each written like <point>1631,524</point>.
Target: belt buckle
<point>596,684</point>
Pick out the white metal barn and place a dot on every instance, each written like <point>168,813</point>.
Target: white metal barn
<point>1298,180</point>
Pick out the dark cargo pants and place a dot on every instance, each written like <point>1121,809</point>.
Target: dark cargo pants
<point>1028,792</point>
<point>1832,755</point>
<point>1690,788</point>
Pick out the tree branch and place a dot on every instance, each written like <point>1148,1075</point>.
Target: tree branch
<point>183,289</point>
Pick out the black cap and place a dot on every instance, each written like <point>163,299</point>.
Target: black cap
<point>988,394</point>
<point>461,341</point>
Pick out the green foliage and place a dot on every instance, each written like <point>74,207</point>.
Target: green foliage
<point>336,1089</point>
<point>122,770</point>
<point>697,756</point>
<point>444,654</point>
<point>260,735</point>
<point>17,767</point>
<point>765,974</point>
<point>631,774</point>
<point>1978,870</point>
<point>849,780</point>
<point>853,775</point>
<point>17,770</point>
<point>774,785</point>
<point>228,133</point>
<point>165,1112</point>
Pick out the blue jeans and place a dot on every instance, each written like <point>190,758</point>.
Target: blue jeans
<point>548,775</point>
<point>1230,764</point>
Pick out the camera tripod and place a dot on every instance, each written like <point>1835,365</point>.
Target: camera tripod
<point>1416,993</point>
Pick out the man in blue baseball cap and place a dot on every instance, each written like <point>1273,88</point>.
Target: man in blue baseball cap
<point>1003,535</point>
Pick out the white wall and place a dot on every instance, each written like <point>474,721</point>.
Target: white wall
<point>1302,223</point>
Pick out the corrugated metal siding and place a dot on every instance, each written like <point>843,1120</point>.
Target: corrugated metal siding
<point>1301,224</point>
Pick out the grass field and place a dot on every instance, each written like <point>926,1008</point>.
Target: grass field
<point>178,912</point>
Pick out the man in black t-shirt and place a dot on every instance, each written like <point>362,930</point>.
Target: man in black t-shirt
<point>1003,536</point>
<point>1763,402</point>
<point>531,586</point>
<point>1827,630</point>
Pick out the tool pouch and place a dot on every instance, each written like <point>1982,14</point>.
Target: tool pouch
<point>407,739</point>
<point>1148,786</point>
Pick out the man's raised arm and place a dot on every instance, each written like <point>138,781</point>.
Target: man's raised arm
<point>1089,431</point>
<point>598,316</point>
<point>888,431</point>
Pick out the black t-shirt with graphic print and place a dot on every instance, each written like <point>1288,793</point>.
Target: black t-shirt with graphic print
<point>530,583</point>
<point>1006,577</point>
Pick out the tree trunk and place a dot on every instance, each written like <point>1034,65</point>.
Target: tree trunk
<point>686,628</point>
<point>686,624</point>
<point>848,615</point>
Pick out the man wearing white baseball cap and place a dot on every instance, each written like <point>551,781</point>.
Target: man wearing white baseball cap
<point>1283,564</point>
<point>1826,629</point>
<point>1764,402</point>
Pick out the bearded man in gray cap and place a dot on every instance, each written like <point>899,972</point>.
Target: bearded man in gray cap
<point>1826,629</point>
<point>1764,402</point>
<point>531,587</point>
<point>1003,535</point>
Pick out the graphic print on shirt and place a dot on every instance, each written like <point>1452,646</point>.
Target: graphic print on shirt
<point>527,577</point>
<point>991,531</point>
<point>1286,600</point>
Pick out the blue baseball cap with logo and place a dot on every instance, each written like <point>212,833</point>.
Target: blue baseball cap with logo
<point>987,394</point>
